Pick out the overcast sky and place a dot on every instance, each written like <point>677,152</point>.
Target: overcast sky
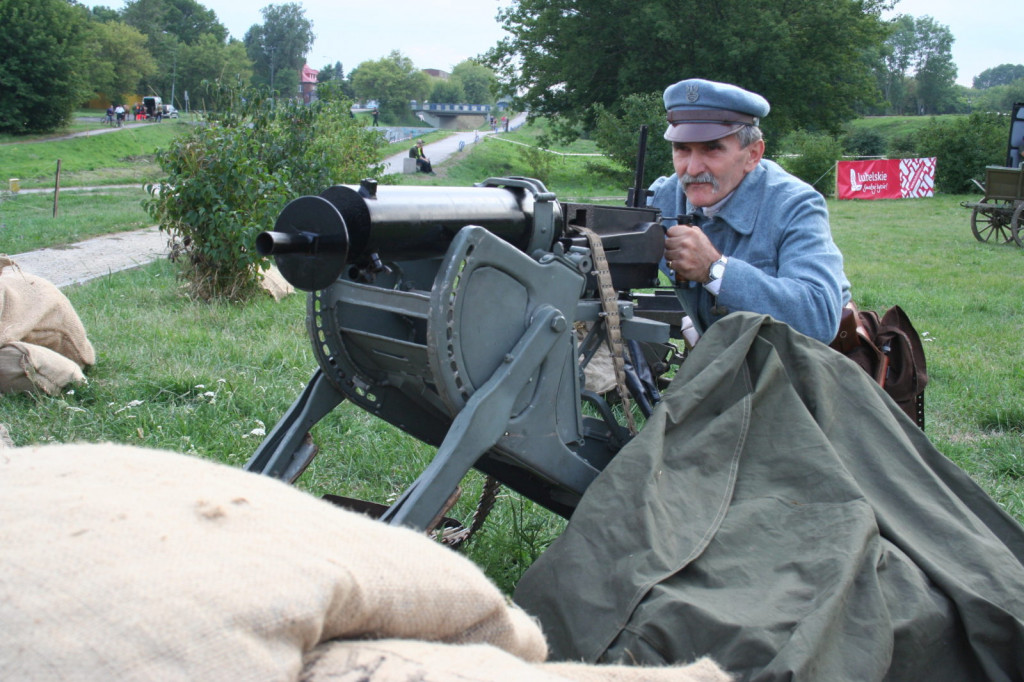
<point>439,34</point>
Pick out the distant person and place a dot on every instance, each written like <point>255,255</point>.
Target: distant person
<point>110,114</point>
<point>376,116</point>
<point>422,162</point>
<point>119,112</point>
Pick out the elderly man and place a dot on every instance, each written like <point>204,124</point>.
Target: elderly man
<point>761,242</point>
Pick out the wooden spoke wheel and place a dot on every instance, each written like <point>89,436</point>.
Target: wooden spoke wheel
<point>991,221</point>
<point>1017,224</point>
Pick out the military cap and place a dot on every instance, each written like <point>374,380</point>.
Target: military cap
<point>701,110</point>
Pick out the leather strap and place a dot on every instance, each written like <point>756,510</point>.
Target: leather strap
<point>613,331</point>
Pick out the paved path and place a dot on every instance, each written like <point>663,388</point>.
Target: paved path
<point>81,262</point>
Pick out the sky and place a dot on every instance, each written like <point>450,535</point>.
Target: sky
<point>438,34</point>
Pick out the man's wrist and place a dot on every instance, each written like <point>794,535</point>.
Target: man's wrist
<point>713,280</point>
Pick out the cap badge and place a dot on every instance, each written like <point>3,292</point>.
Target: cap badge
<point>692,93</point>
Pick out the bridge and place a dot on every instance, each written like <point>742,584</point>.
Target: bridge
<point>455,116</point>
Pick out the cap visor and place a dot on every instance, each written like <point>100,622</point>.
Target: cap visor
<point>699,132</point>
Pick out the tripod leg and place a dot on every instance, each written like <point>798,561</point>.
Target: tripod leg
<point>286,451</point>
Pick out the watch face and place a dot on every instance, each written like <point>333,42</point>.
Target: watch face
<point>717,270</point>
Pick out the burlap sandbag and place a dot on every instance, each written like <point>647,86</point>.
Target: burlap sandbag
<point>127,564</point>
<point>274,283</point>
<point>26,367</point>
<point>405,660</point>
<point>33,310</point>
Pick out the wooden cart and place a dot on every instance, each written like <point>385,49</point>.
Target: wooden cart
<point>999,217</point>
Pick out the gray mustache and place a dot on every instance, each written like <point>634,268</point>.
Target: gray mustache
<point>686,179</point>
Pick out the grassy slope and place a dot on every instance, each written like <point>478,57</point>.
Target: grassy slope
<point>122,156</point>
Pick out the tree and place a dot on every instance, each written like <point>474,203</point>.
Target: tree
<point>478,82</point>
<point>187,42</point>
<point>918,74</point>
<point>186,20</point>
<point>618,134</point>
<point>936,72</point>
<point>805,56</point>
<point>331,72</point>
<point>279,45</point>
<point>999,98</point>
<point>335,75</point>
<point>101,13</point>
<point>393,81</point>
<point>119,60</point>
<point>1004,74</point>
<point>447,90</point>
<point>208,61</point>
<point>43,54</point>
<point>898,57</point>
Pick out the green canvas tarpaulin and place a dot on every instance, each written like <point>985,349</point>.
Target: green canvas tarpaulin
<point>780,513</point>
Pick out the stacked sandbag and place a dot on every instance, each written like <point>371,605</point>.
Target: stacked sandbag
<point>43,344</point>
<point>127,564</point>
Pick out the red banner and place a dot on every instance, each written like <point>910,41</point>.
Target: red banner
<point>885,179</point>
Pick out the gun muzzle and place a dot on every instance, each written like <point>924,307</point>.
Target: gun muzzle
<point>309,243</point>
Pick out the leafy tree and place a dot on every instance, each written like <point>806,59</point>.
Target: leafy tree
<point>1004,74</point>
<point>898,57</point>
<point>120,59</point>
<point>181,35</point>
<point>208,60</point>
<point>335,75</point>
<point>805,56</point>
<point>100,13</point>
<point>447,90</point>
<point>999,98</point>
<point>936,71</point>
<point>186,20</point>
<point>228,180</point>
<point>478,82</point>
<point>43,54</point>
<point>393,81</point>
<point>617,133</point>
<point>331,72</point>
<point>279,45</point>
<point>918,73</point>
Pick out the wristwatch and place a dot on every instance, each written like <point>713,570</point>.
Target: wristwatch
<point>717,269</point>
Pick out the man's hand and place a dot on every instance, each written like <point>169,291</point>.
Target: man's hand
<point>689,252</point>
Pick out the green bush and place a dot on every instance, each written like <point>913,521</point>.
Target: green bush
<point>228,180</point>
<point>903,146</point>
<point>617,134</point>
<point>812,158</point>
<point>963,147</point>
<point>864,142</point>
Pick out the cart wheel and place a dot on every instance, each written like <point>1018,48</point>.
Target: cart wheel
<point>991,221</point>
<point>1017,224</point>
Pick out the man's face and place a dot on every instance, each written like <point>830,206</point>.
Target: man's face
<point>708,171</point>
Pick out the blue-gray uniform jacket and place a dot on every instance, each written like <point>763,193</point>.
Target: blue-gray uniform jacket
<point>782,260</point>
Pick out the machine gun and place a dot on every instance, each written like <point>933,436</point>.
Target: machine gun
<point>452,313</point>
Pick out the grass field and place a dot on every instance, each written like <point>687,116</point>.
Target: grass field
<point>27,221</point>
<point>207,379</point>
<point>124,156</point>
